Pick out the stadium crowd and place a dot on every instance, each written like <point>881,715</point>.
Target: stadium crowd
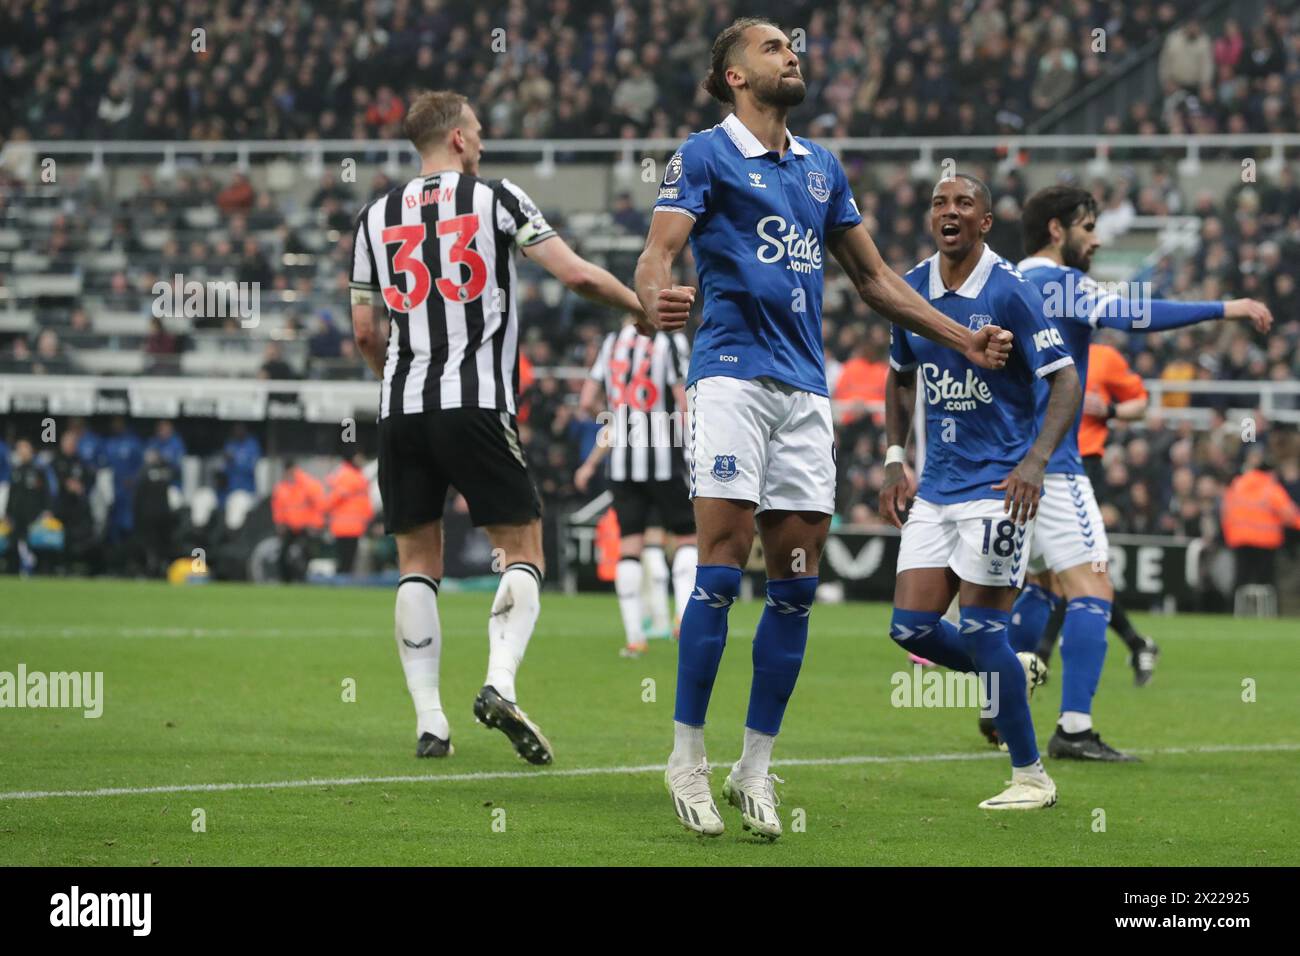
<point>1249,240</point>
<point>1250,244</point>
<point>289,69</point>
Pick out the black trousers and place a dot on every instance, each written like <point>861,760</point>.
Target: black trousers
<point>345,554</point>
<point>1256,566</point>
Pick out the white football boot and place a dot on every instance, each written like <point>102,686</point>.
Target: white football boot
<point>756,799</point>
<point>693,800</point>
<point>1027,790</point>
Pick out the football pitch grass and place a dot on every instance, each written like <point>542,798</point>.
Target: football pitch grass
<point>231,700</point>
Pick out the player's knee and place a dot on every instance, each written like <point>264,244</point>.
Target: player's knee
<point>425,561</point>
<point>798,562</point>
<point>732,547</point>
<point>512,544</point>
<point>1084,581</point>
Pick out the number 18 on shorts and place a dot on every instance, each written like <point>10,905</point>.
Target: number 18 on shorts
<point>976,539</point>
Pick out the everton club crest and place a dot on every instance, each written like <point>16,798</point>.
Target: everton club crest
<point>817,186</point>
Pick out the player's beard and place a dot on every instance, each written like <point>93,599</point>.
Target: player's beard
<point>783,91</point>
<point>1074,257</point>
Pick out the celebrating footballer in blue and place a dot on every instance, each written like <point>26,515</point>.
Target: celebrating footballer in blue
<point>761,208</point>
<point>967,532</point>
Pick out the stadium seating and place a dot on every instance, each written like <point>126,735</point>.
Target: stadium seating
<point>81,299</point>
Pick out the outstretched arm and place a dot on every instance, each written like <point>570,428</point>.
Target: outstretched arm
<point>893,298</point>
<point>1158,315</point>
<point>585,278</point>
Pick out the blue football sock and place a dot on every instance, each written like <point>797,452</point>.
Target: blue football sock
<point>926,634</point>
<point>1083,652</point>
<point>1029,617</point>
<point>987,631</point>
<point>702,639</point>
<point>779,644</point>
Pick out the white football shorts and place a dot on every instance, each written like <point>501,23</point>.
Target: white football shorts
<point>1068,530</point>
<point>763,441</point>
<point>976,539</point>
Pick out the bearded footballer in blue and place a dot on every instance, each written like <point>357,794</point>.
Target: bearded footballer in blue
<point>759,206</point>
<point>1069,538</point>
<point>966,534</point>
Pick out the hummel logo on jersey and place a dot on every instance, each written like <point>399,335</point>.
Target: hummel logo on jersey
<point>804,250</point>
<point>415,646</point>
<point>756,180</point>
<point>1048,337</point>
<point>955,395</point>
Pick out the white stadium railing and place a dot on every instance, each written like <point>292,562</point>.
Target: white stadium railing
<point>1268,150</point>
<point>332,402</point>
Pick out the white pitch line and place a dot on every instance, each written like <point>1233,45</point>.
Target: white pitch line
<point>92,631</point>
<point>581,772</point>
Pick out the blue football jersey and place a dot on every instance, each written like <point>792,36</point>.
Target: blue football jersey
<point>978,423</point>
<point>761,223</point>
<point>1075,302</point>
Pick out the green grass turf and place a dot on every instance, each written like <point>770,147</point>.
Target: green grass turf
<point>237,684</point>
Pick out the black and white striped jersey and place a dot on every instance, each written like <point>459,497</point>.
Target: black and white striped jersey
<point>439,251</point>
<point>647,430</point>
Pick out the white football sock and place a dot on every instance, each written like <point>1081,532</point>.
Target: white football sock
<point>419,645</point>
<point>756,758</point>
<point>514,613</point>
<point>656,588</point>
<point>1074,722</point>
<point>684,562</point>
<point>688,746</point>
<point>627,585</point>
<point>1034,771</point>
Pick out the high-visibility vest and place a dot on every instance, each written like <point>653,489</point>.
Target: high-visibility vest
<point>298,502</point>
<point>861,380</point>
<point>348,504</point>
<point>608,543</point>
<point>1110,377</point>
<point>1256,510</point>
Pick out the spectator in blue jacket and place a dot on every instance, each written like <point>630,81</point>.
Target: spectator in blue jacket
<point>242,453</point>
<point>124,454</point>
